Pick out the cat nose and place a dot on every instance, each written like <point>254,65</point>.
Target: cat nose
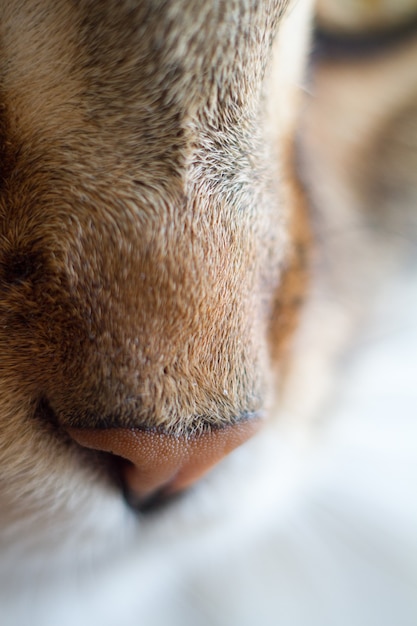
<point>161,464</point>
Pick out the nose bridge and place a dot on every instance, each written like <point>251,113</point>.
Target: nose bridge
<point>146,308</point>
<point>166,362</point>
<point>186,385</point>
<point>153,320</point>
<point>148,293</point>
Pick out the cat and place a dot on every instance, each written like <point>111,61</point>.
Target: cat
<point>173,292</point>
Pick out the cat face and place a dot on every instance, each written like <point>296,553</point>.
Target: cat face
<point>152,258</point>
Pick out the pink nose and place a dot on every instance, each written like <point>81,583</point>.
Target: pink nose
<point>161,463</point>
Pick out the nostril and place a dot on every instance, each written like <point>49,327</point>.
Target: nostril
<point>157,464</point>
<point>150,503</point>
